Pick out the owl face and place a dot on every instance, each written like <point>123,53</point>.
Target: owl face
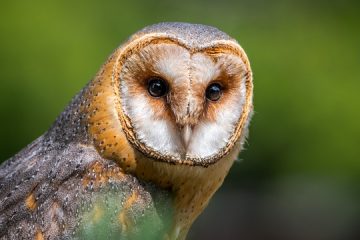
<point>183,106</point>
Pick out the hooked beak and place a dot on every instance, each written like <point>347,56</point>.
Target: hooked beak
<point>186,132</point>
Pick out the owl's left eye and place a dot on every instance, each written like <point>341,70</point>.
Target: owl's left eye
<point>157,87</point>
<point>213,92</point>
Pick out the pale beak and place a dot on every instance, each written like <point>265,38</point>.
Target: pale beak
<point>186,132</point>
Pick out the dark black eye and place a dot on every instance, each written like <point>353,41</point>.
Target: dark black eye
<point>157,87</point>
<point>213,92</point>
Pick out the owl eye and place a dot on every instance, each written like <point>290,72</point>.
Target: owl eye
<point>157,87</point>
<point>214,92</point>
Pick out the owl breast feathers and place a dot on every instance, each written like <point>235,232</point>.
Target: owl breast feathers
<point>140,151</point>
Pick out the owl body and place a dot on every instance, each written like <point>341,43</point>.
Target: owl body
<point>140,151</point>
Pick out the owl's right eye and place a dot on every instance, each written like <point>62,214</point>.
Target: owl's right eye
<point>157,87</point>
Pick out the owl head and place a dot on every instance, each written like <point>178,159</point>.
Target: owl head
<point>185,92</point>
<point>180,93</point>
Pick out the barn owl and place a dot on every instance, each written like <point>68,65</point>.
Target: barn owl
<point>140,151</point>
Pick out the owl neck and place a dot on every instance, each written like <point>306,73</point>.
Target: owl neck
<point>192,186</point>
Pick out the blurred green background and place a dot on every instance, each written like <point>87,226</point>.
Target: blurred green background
<point>299,176</point>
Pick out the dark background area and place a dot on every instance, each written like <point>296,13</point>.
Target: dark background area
<point>298,177</point>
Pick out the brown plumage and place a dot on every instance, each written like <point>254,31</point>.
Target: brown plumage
<point>129,161</point>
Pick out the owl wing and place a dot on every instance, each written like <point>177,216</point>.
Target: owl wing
<point>73,193</point>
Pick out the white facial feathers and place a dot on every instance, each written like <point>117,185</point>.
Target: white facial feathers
<point>156,133</point>
<point>211,136</point>
<point>183,124</point>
